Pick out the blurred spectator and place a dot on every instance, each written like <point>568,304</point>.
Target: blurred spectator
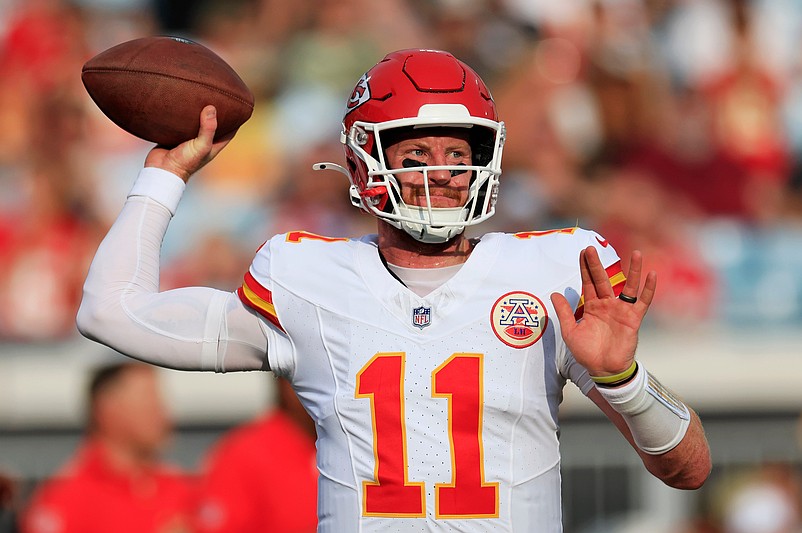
<point>217,260</point>
<point>262,475</point>
<point>731,153</point>
<point>635,212</point>
<point>745,103</point>
<point>116,482</point>
<point>318,201</point>
<point>317,67</point>
<point>545,167</point>
<point>480,33</point>
<point>764,500</point>
<point>44,44</point>
<point>681,154</point>
<point>48,234</point>
<point>47,230</point>
<point>7,499</point>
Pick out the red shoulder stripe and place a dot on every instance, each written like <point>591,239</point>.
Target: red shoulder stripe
<point>258,298</point>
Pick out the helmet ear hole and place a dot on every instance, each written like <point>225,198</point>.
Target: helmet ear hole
<point>482,143</point>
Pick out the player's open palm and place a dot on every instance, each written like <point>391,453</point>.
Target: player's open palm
<point>190,156</point>
<point>604,340</point>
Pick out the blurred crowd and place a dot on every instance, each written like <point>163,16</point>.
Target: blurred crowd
<point>643,119</point>
<point>257,477</point>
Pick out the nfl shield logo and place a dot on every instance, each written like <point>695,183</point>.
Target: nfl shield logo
<point>421,317</point>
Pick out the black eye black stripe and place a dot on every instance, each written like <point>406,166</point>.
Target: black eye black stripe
<point>411,163</point>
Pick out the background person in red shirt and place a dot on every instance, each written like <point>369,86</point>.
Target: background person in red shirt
<point>8,492</point>
<point>262,476</point>
<point>115,482</point>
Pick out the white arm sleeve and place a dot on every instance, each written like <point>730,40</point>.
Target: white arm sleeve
<point>193,328</point>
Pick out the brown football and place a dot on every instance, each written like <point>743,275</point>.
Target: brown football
<point>156,87</point>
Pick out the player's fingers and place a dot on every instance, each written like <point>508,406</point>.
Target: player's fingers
<point>588,288</point>
<point>565,314</point>
<point>649,288</point>
<point>601,281</point>
<point>220,143</point>
<point>632,284</point>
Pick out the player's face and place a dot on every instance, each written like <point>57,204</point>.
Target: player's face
<point>449,148</point>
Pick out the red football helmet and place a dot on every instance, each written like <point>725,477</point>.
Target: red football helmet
<point>421,89</point>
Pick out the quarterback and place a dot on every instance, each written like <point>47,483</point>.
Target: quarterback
<point>432,364</point>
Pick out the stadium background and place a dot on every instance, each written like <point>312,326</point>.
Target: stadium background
<point>670,126</point>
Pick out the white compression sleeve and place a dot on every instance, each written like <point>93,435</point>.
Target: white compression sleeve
<point>194,328</point>
<point>658,421</point>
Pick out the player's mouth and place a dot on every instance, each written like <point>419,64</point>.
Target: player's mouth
<point>443,198</point>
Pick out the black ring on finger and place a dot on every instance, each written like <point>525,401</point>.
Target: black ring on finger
<point>628,299</point>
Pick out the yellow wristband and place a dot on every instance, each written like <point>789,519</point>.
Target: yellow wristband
<point>622,376</point>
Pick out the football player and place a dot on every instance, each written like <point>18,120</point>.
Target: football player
<point>432,364</point>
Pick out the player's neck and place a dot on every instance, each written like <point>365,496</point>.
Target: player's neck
<point>399,248</point>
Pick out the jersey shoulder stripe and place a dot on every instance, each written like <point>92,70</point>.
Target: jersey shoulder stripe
<point>260,299</point>
<point>298,263</point>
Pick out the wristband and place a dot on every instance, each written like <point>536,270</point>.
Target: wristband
<point>617,379</point>
<point>160,186</point>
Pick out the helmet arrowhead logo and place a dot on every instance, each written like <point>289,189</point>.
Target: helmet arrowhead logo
<point>360,95</point>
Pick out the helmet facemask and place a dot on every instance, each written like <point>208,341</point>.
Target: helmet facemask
<point>381,194</point>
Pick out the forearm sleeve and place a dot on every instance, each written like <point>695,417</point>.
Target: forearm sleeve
<point>194,328</point>
<point>657,419</point>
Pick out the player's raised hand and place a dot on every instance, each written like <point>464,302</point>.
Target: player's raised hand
<point>190,156</point>
<point>604,341</point>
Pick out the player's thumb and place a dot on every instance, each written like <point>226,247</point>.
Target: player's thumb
<point>565,314</point>
<point>197,152</point>
<point>208,125</point>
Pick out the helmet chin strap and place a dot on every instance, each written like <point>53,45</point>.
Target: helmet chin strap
<point>430,232</point>
<point>430,235</point>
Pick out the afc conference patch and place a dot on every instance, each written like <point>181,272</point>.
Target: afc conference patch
<point>421,317</point>
<point>518,319</point>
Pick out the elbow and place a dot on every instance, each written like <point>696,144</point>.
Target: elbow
<point>690,480</point>
<point>699,474</point>
<point>87,320</point>
<point>94,321</point>
<point>691,475</point>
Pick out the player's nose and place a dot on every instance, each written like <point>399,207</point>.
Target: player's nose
<point>441,177</point>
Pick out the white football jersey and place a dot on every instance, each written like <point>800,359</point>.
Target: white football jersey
<point>436,413</point>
